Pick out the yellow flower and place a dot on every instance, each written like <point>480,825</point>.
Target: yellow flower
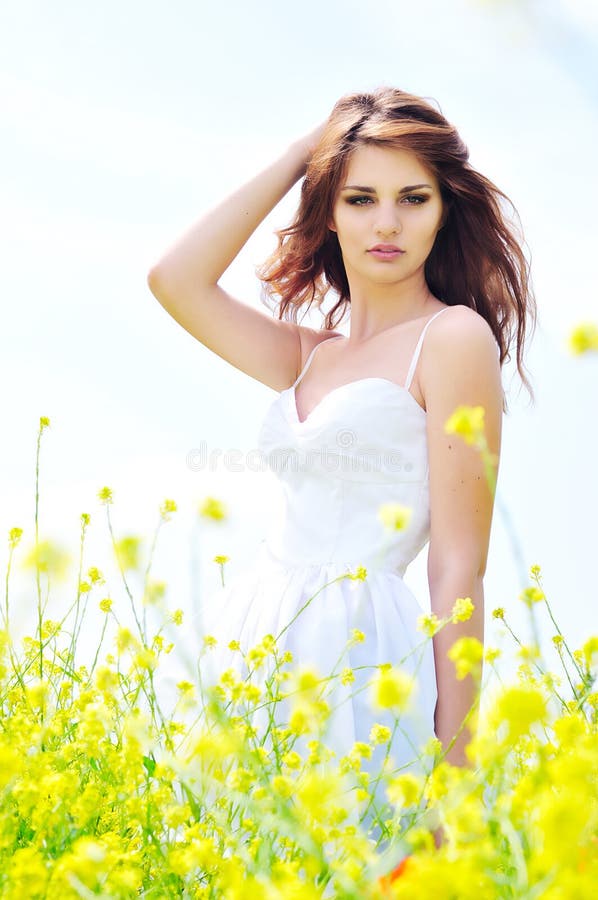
<point>492,653</point>
<point>268,643</point>
<point>27,873</point>
<point>252,693</point>
<point>95,576</point>
<point>44,422</point>
<point>127,551</point>
<point>37,693</point>
<point>241,779</point>
<point>177,617</point>
<point>14,536</point>
<point>392,688</point>
<point>532,595</point>
<point>379,734</point>
<point>221,560</point>
<point>50,628</point>
<point>467,654</point>
<point>498,613</point>
<point>534,571</point>
<point>145,659</point>
<point>105,678</point>
<point>362,749</point>
<point>528,652</point>
<point>432,748</point>
<point>166,509</point>
<point>256,656</point>
<point>462,609</point>
<point>394,516</point>
<point>404,790</point>
<point>583,337</point>
<point>520,706</point>
<point>321,795</point>
<point>124,639</point>
<point>105,495</point>
<point>301,719</point>
<point>590,649</point>
<point>154,592</point>
<point>468,423</point>
<point>292,760</point>
<point>419,838</point>
<point>282,786</point>
<point>211,508</point>
<point>48,557</point>
<point>360,574</point>
<point>357,636</point>
<point>305,683</point>
<point>428,624</point>
<point>347,676</point>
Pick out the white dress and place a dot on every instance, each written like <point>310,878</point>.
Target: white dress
<point>362,446</point>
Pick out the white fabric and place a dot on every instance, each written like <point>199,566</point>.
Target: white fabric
<point>362,446</point>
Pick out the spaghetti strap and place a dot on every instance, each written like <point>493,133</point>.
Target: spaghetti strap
<point>416,353</point>
<point>311,356</point>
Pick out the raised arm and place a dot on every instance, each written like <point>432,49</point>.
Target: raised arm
<point>185,279</point>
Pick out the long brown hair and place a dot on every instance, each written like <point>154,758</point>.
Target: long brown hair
<point>477,258</point>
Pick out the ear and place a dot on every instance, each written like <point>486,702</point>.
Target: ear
<point>331,225</point>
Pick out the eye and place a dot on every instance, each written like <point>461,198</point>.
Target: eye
<point>418,198</point>
<point>359,201</point>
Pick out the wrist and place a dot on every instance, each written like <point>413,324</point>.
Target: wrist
<point>299,154</point>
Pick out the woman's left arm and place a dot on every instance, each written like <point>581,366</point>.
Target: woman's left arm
<point>459,367</point>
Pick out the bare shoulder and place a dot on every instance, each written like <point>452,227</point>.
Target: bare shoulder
<point>460,358</point>
<point>310,338</point>
<point>460,323</point>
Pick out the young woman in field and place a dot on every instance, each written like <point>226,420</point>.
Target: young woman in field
<point>418,255</point>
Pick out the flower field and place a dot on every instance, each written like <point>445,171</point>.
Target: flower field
<point>111,789</point>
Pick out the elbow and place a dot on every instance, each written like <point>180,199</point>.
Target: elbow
<point>463,558</point>
<point>154,278</point>
<point>158,283</point>
<point>462,571</point>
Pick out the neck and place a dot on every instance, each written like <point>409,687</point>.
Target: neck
<point>376,308</point>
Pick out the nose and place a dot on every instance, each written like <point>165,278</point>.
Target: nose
<point>388,220</point>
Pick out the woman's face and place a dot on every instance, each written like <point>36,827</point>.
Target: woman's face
<point>386,199</point>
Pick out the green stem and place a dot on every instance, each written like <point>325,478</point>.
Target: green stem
<point>122,572</point>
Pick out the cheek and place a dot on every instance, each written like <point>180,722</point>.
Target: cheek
<point>339,219</point>
<point>344,225</point>
<point>429,224</point>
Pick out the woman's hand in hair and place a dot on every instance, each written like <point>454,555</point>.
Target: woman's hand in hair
<point>310,141</point>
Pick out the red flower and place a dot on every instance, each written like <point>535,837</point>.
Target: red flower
<point>385,881</point>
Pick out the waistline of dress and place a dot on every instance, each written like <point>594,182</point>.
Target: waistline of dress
<point>354,567</point>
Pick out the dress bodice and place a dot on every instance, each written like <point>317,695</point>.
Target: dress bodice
<point>363,445</point>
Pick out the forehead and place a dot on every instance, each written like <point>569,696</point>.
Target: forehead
<point>383,166</point>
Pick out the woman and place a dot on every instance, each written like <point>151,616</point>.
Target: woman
<point>414,244</point>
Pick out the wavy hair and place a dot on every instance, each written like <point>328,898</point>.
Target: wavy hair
<point>477,258</point>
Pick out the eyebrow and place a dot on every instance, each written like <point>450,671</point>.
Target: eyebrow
<point>370,190</point>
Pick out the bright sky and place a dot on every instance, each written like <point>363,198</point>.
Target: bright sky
<point>121,122</point>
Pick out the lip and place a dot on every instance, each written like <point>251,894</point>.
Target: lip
<point>386,251</point>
